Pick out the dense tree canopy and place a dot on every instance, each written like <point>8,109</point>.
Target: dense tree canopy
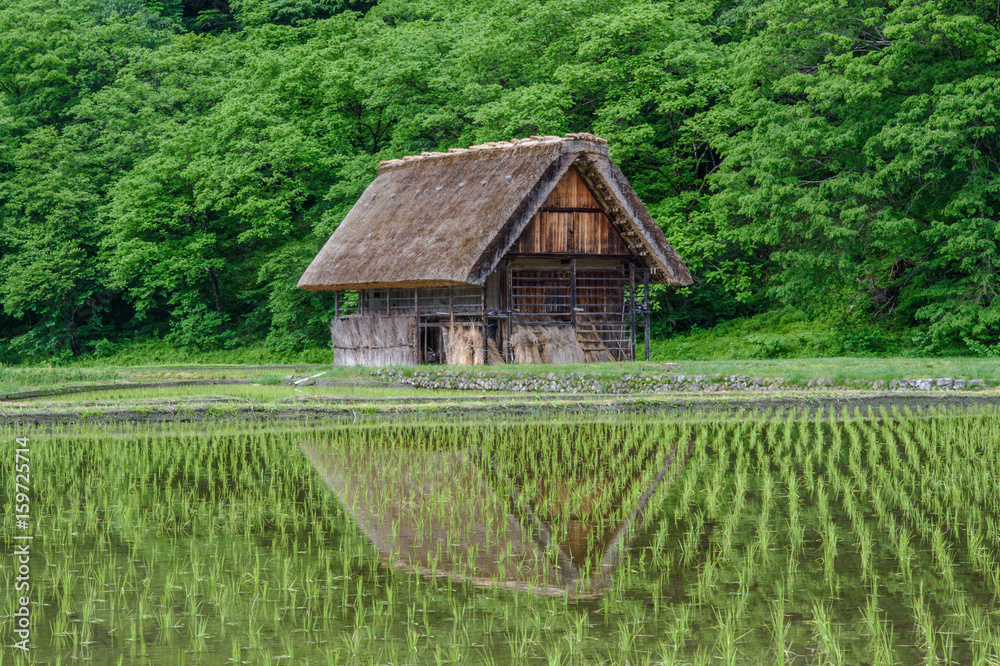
<point>169,167</point>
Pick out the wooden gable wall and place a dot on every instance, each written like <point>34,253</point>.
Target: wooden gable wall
<point>570,222</point>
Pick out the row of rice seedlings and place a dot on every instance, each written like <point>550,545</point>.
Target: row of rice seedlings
<point>102,557</point>
<point>318,579</point>
<point>919,536</point>
<point>840,473</point>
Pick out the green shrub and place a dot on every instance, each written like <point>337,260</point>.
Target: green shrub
<point>785,333</point>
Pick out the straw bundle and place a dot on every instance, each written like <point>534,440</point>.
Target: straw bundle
<point>527,350</point>
<point>495,357</point>
<point>561,346</point>
<point>464,345</point>
<point>546,344</point>
<point>373,339</point>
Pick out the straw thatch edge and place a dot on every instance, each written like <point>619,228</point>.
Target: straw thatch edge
<point>590,155</point>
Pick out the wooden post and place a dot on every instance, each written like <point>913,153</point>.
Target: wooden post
<point>508,349</point>
<point>503,332</point>
<point>336,305</point>
<point>631,310</point>
<point>451,309</point>
<point>486,346</point>
<point>416,335</point>
<point>451,322</point>
<point>361,301</point>
<point>645,300</point>
<point>572,293</point>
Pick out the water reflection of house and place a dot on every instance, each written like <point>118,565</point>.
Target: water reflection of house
<point>448,513</point>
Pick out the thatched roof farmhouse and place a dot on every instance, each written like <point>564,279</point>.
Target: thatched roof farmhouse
<point>534,250</point>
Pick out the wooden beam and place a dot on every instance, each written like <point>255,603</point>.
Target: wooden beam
<point>631,310</point>
<point>645,299</point>
<point>486,346</point>
<point>567,255</point>
<point>572,293</point>
<point>508,350</point>
<point>416,335</point>
<point>566,209</point>
<point>451,310</point>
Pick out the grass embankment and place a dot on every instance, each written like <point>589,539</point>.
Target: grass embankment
<point>798,370</point>
<point>780,344</point>
<point>27,378</point>
<point>163,394</point>
<point>784,333</point>
<point>148,351</point>
<point>153,372</point>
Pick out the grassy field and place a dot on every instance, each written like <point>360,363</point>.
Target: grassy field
<point>244,392</point>
<point>832,538</point>
<point>22,378</point>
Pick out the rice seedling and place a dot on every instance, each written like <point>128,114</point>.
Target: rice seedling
<point>779,627</point>
<point>825,634</point>
<point>925,626</point>
<point>880,637</point>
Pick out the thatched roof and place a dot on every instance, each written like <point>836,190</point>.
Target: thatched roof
<point>441,219</point>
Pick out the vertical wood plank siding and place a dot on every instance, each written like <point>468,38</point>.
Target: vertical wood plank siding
<point>571,192</point>
<point>573,231</point>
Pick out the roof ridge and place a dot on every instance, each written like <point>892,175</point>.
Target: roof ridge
<point>531,141</point>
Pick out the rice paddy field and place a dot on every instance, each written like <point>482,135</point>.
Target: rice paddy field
<point>808,537</point>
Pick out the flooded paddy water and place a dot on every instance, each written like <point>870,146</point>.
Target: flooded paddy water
<point>784,537</point>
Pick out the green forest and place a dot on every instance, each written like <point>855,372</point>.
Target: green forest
<point>168,168</point>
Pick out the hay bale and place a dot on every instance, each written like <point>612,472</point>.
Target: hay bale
<point>526,346</point>
<point>561,346</point>
<point>458,352</point>
<point>446,353</point>
<point>599,356</point>
<point>465,345</point>
<point>546,344</point>
<point>373,339</point>
<point>476,341</point>
<point>494,357</point>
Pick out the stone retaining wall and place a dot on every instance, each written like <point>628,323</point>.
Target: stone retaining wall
<point>576,382</point>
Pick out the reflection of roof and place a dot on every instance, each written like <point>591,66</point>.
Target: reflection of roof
<point>444,219</point>
<point>436,512</point>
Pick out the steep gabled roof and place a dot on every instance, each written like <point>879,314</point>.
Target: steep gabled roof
<point>442,219</point>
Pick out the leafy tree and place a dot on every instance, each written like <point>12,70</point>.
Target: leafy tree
<point>191,225</point>
<point>291,12</point>
<point>48,277</point>
<point>52,56</point>
<point>172,165</point>
<point>861,159</point>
